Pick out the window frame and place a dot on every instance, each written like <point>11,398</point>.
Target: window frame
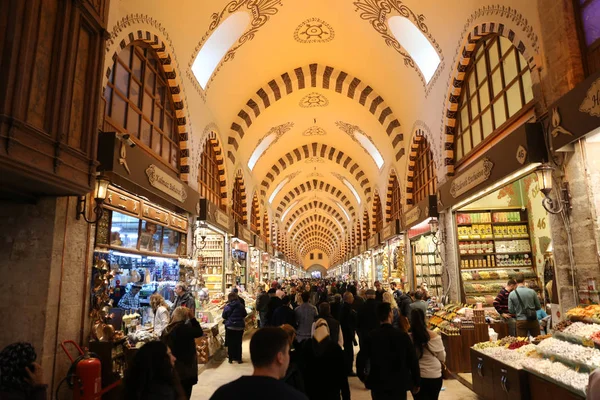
<point>163,101</point>
<point>424,176</point>
<point>466,97</point>
<point>209,180</point>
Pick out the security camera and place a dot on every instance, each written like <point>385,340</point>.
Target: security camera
<point>126,137</point>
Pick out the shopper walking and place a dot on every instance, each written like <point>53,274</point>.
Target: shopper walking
<point>180,336</point>
<point>284,314</point>
<point>523,302</point>
<point>21,378</point>
<point>306,314</point>
<point>262,305</point>
<point>269,352</point>
<point>160,309</point>
<point>234,316</point>
<point>394,364</point>
<point>335,331</point>
<point>274,303</point>
<point>378,291</point>
<point>367,321</point>
<point>431,354</point>
<point>348,325</point>
<point>419,302</point>
<point>293,376</point>
<point>151,375</point>
<point>389,298</point>
<point>323,377</point>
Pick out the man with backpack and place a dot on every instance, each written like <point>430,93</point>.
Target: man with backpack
<point>523,302</point>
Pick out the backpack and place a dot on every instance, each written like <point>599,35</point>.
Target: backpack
<point>530,313</point>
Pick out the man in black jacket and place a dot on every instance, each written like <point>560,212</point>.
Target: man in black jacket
<point>367,321</point>
<point>394,362</point>
<point>184,298</point>
<point>284,314</point>
<point>262,303</point>
<point>274,303</point>
<point>348,325</point>
<point>334,325</point>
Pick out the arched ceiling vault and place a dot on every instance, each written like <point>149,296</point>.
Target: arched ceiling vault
<point>315,99</point>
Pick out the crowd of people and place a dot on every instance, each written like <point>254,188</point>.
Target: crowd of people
<point>303,349</point>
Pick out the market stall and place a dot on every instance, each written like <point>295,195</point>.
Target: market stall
<point>500,225</point>
<point>392,241</point>
<point>236,272</point>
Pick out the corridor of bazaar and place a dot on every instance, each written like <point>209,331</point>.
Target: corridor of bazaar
<point>304,199</point>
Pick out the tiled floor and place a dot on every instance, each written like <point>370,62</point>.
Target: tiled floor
<point>216,375</point>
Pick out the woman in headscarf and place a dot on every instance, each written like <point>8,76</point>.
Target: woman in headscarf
<point>21,378</point>
<point>324,379</point>
<point>180,336</point>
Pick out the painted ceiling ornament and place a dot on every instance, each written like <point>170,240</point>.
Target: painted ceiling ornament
<point>314,131</point>
<point>261,12</point>
<point>314,99</point>
<point>314,30</point>
<point>311,160</point>
<point>376,12</point>
<point>315,175</point>
<point>351,131</point>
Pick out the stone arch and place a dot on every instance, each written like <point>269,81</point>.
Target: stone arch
<point>324,225</point>
<point>255,213</point>
<point>412,157</point>
<point>316,151</point>
<point>327,221</point>
<point>314,184</point>
<point>313,245</point>
<point>212,138</point>
<point>316,204</point>
<point>316,76</point>
<point>314,236</point>
<point>366,225</point>
<point>317,268</point>
<point>388,198</point>
<point>515,28</point>
<point>134,28</point>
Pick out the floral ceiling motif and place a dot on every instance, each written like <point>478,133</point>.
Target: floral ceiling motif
<point>377,12</point>
<point>314,30</point>
<point>314,131</point>
<point>311,160</point>
<point>314,99</point>
<point>261,12</point>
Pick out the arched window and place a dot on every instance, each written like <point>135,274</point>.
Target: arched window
<point>209,183</point>
<point>238,200</point>
<point>377,214</point>
<point>139,102</point>
<point>366,226</point>
<point>396,199</point>
<point>424,181</point>
<point>254,214</point>
<point>497,86</point>
<point>590,30</point>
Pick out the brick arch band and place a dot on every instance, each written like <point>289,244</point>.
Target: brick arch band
<point>316,76</point>
<point>319,245</point>
<point>213,139</point>
<point>326,221</point>
<point>174,82</point>
<point>311,185</point>
<point>317,151</point>
<point>466,52</point>
<point>388,197</point>
<point>326,229</point>
<point>366,225</point>
<point>316,235</point>
<point>316,204</point>
<point>412,158</point>
<point>376,200</point>
<point>240,175</point>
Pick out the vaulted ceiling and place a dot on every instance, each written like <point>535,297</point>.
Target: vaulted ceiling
<point>316,103</point>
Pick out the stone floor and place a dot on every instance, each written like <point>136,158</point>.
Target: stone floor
<point>217,374</point>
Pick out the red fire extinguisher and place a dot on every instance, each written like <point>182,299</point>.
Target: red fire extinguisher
<point>85,375</point>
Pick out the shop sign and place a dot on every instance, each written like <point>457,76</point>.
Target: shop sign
<point>166,184</point>
<point>412,216</point>
<point>221,218</point>
<point>390,230</point>
<point>575,114</point>
<point>243,233</point>
<point>260,243</point>
<point>212,214</point>
<point>474,176</point>
<point>373,241</point>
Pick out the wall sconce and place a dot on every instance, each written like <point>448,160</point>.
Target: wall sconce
<point>200,245</point>
<point>235,244</point>
<point>434,225</point>
<point>100,191</point>
<point>438,236</point>
<point>545,180</point>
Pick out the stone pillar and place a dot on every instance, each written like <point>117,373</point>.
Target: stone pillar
<point>45,263</point>
<point>574,237</point>
<point>448,249</point>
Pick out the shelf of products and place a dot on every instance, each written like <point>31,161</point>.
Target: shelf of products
<point>210,255</point>
<point>493,245</point>
<point>427,265</point>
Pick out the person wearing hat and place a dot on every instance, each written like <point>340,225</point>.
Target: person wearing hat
<point>324,379</point>
<point>21,378</point>
<point>131,299</point>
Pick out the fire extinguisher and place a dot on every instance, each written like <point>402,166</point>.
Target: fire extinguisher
<point>84,376</point>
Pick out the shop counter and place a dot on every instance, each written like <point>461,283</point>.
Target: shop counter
<point>458,347</point>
